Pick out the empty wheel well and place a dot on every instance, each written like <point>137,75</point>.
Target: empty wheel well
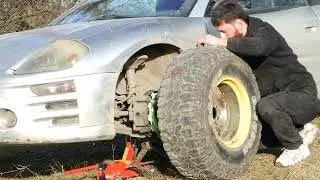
<point>159,56</point>
<point>141,74</point>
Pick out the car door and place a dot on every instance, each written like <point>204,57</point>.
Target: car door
<point>297,21</point>
<point>315,4</point>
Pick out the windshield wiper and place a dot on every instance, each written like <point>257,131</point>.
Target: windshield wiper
<point>108,17</point>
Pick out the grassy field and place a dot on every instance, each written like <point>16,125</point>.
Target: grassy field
<point>37,164</point>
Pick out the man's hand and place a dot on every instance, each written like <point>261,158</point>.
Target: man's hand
<point>212,40</point>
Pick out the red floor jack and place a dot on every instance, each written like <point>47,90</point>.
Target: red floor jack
<point>128,167</point>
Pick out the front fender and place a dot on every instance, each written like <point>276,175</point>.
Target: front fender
<point>112,48</point>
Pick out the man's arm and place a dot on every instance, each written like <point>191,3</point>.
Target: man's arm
<point>212,40</point>
<point>265,41</point>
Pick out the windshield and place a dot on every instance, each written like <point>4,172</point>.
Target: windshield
<point>93,10</point>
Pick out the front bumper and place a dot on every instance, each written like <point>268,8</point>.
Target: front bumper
<point>84,115</point>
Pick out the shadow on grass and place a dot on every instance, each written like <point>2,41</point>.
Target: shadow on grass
<point>50,159</point>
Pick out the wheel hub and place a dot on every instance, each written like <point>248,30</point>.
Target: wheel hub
<point>220,112</point>
<point>231,112</point>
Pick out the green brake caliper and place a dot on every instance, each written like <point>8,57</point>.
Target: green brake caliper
<point>152,116</point>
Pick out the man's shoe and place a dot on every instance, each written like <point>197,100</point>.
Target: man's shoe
<point>309,133</point>
<point>292,157</point>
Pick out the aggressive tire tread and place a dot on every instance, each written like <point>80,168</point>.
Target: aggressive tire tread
<point>183,134</point>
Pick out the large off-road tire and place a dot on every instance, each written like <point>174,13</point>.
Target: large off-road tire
<point>206,113</point>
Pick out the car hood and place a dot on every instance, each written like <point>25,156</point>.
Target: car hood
<point>16,46</point>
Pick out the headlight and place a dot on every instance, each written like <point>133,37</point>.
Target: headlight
<point>54,88</point>
<point>59,55</point>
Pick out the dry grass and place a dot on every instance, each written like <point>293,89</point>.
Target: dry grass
<point>261,168</point>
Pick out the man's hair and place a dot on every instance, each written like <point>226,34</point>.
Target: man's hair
<point>227,11</point>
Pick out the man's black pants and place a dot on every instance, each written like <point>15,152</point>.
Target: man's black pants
<point>285,112</point>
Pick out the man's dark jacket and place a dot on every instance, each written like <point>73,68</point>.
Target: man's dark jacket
<point>274,64</point>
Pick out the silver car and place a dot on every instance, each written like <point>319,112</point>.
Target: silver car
<point>112,66</point>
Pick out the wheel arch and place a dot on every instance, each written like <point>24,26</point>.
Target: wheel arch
<point>161,48</point>
<point>158,48</point>
<point>122,59</point>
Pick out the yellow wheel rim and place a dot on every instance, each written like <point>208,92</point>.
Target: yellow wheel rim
<point>232,112</point>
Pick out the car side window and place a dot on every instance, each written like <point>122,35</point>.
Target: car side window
<point>314,2</point>
<point>256,6</point>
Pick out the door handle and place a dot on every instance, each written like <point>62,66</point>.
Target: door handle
<point>311,28</point>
